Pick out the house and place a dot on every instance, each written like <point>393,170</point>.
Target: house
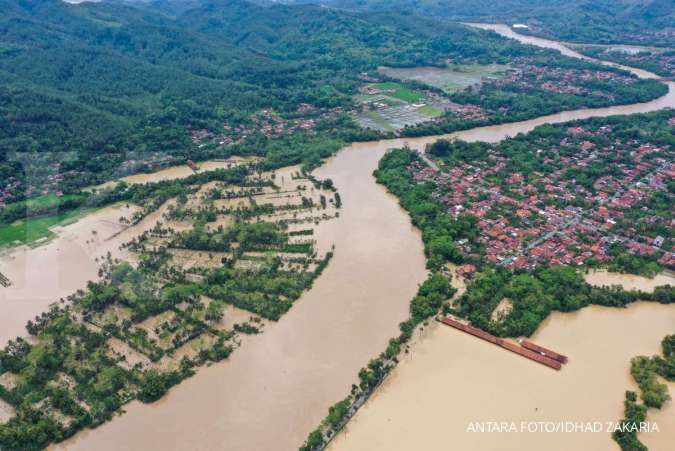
<point>466,270</point>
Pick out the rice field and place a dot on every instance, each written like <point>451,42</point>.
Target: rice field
<point>450,79</point>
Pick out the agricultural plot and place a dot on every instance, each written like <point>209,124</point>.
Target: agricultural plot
<point>390,106</point>
<point>450,79</point>
<point>206,275</point>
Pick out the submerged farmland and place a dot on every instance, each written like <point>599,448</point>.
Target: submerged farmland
<point>197,282</point>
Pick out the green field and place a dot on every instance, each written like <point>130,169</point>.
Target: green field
<point>27,231</point>
<point>430,111</point>
<point>400,92</point>
<point>361,98</point>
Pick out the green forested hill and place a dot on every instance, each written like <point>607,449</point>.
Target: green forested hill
<point>102,83</point>
<point>595,21</point>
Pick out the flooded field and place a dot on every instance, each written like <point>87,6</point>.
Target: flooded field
<point>270,394</point>
<point>629,281</point>
<point>41,275</point>
<point>449,79</point>
<point>450,378</point>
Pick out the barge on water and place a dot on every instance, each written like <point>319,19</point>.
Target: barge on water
<point>531,351</point>
<point>543,351</point>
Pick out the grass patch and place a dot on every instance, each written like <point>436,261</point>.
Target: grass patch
<point>49,201</point>
<point>430,111</point>
<point>400,92</point>
<point>27,231</point>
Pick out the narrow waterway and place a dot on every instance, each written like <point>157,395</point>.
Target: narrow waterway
<point>507,32</point>
<point>278,387</point>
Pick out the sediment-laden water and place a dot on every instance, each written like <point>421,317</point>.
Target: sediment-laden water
<point>451,379</point>
<point>277,388</point>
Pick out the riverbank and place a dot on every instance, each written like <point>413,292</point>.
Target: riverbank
<point>506,31</point>
<point>420,433</point>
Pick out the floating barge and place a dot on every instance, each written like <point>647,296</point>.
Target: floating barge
<point>543,351</point>
<point>537,356</point>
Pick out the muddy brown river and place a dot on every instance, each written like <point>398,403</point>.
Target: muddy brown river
<point>451,379</point>
<point>278,387</point>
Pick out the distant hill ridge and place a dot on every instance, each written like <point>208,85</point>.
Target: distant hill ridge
<point>594,21</point>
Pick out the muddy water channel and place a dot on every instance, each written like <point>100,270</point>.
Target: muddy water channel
<point>566,50</point>
<point>277,388</point>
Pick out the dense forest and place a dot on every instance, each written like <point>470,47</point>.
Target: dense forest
<point>91,90</point>
<point>597,21</point>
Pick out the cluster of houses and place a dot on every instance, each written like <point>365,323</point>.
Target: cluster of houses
<point>666,60</point>
<point>15,189</point>
<point>265,121</point>
<point>550,217</point>
<point>557,79</point>
<point>10,189</point>
<point>467,111</point>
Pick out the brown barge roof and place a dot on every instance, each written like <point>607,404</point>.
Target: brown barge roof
<point>537,357</point>
<point>547,352</point>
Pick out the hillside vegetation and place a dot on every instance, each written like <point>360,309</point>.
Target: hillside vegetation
<point>85,88</point>
<point>593,21</point>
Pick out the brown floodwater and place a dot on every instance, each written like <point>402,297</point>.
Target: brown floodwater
<point>279,385</point>
<point>179,171</point>
<point>277,388</point>
<point>506,31</point>
<point>451,379</point>
<point>602,277</point>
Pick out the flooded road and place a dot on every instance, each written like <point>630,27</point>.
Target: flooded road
<point>451,379</point>
<point>278,387</point>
